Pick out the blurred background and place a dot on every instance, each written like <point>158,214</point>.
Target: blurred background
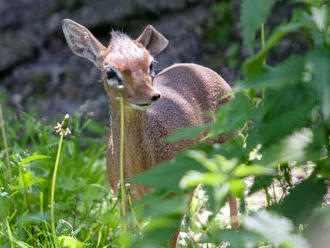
<point>40,73</point>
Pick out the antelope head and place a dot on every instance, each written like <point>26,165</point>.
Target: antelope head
<point>126,65</point>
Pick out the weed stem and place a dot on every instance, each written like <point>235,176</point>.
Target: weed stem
<point>121,158</point>
<point>53,190</point>
<point>2,124</point>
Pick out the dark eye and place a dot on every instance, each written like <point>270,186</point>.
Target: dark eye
<point>111,74</point>
<point>151,70</point>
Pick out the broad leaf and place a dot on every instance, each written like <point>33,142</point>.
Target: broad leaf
<point>168,174</point>
<point>194,178</point>
<point>284,112</point>
<point>240,238</point>
<point>36,218</point>
<point>29,180</point>
<point>33,158</point>
<point>319,64</point>
<point>247,170</point>
<point>276,229</point>
<point>261,182</point>
<point>253,14</point>
<point>187,133</point>
<point>291,148</point>
<point>70,242</point>
<point>255,63</point>
<point>308,194</point>
<point>288,72</point>
<point>233,115</point>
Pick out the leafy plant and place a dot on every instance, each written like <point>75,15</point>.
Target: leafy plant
<point>281,117</point>
<point>278,124</point>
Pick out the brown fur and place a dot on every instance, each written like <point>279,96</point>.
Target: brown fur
<point>188,92</point>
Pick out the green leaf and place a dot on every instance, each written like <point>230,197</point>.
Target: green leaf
<point>255,63</point>
<point>157,206</point>
<point>237,186</point>
<point>319,64</point>
<point>299,203</point>
<point>22,244</point>
<point>320,16</point>
<point>233,115</point>
<point>36,218</point>
<point>29,180</point>
<point>276,229</point>
<point>288,72</point>
<point>290,148</point>
<point>6,206</point>
<point>246,170</point>
<point>317,149</point>
<point>311,2</point>
<point>191,132</point>
<point>165,215</point>
<point>215,197</point>
<point>70,242</point>
<point>67,183</point>
<point>284,112</point>
<point>33,158</point>
<point>236,238</point>
<point>261,182</point>
<point>194,178</point>
<point>92,192</point>
<point>168,174</point>
<point>319,226</point>
<point>64,228</point>
<point>312,24</point>
<point>201,158</point>
<point>253,14</point>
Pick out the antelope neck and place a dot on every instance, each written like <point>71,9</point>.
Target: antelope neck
<point>133,119</point>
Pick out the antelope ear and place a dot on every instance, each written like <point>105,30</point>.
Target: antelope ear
<point>82,42</point>
<point>152,40</point>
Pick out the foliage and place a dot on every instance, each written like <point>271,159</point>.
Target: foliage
<point>85,209</point>
<point>278,124</point>
<point>281,119</point>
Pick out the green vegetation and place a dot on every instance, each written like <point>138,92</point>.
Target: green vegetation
<point>281,120</point>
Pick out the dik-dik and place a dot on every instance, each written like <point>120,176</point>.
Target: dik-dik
<point>155,105</point>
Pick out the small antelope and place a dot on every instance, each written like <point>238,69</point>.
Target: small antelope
<point>155,105</point>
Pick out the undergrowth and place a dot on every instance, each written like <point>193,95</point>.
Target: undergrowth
<point>278,122</point>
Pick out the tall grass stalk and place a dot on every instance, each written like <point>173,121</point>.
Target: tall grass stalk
<point>263,40</point>
<point>262,47</point>
<point>121,156</point>
<point>63,130</point>
<point>12,245</point>
<point>4,138</point>
<point>53,190</point>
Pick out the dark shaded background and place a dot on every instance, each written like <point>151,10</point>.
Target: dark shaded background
<point>39,72</point>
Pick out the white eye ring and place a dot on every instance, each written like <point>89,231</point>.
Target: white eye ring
<point>116,78</point>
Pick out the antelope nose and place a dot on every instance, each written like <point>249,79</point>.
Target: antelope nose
<point>155,97</point>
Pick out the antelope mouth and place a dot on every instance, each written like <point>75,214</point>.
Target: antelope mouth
<point>141,106</point>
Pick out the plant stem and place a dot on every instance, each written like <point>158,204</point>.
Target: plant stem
<point>263,39</point>
<point>262,35</point>
<point>2,124</point>
<point>53,190</point>
<point>12,245</point>
<point>121,156</point>
<point>262,47</point>
<point>27,199</point>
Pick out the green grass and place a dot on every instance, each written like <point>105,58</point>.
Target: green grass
<point>86,212</point>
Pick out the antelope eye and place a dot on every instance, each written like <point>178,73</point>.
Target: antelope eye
<point>113,77</point>
<point>111,74</point>
<point>151,70</point>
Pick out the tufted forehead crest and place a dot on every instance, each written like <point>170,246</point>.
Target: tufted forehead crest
<point>123,49</point>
